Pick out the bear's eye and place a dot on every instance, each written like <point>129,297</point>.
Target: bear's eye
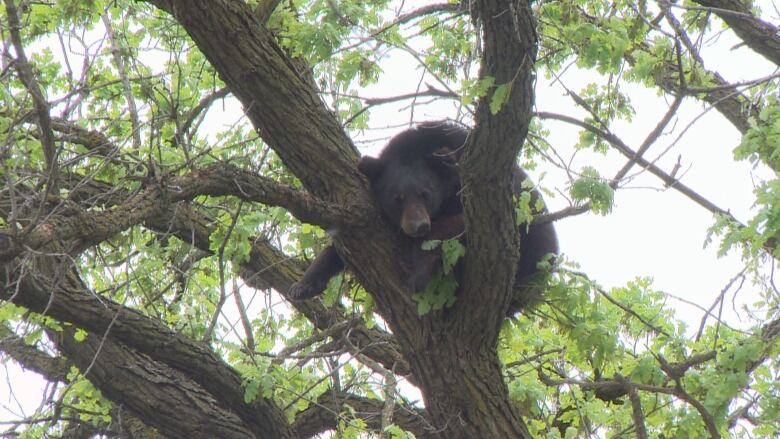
<point>425,195</point>
<point>399,199</point>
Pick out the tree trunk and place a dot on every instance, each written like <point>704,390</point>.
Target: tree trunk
<point>465,393</point>
<point>452,354</point>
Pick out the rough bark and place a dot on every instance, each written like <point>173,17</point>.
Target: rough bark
<point>759,35</point>
<point>451,355</point>
<point>154,200</point>
<point>157,392</point>
<point>466,390</point>
<point>319,417</point>
<point>465,394</point>
<point>76,304</point>
<point>163,349</point>
<point>168,357</point>
<point>317,151</point>
<point>274,92</point>
<point>48,285</point>
<point>53,368</point>
<point>267,267</point>
<point>124,424</point>
<point>509,54</point>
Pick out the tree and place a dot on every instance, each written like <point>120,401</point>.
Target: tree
<point>132,213</point>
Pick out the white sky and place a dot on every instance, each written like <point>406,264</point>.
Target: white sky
<point>652,231</point>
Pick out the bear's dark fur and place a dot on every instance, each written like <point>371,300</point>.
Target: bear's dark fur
<point>416,183</point>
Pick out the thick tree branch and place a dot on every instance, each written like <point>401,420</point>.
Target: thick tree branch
<point>266,267</point>
<point>86,228</point>
<point>56,369</point>
<point>273,92</point>
<point>225,179</point>
<point>31,358</point>
<point>93,140</point>
<point>72,225</point>
<point>509,53</point>
<point>759,35</point>
<point>466,394</point>
<point>54,289</point>
<point>97,314</point>
<point>324,414</point>
<point>159,394</point>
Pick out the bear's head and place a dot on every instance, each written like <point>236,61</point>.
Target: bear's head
<point>412,191</point>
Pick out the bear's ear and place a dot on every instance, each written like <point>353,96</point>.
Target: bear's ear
<point>370,167</point>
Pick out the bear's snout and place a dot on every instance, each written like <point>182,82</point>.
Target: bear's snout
<point>415,221</point>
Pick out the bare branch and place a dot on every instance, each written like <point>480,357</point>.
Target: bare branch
<point>371,102</point>
<point>245,322</point>
<point>208,333</point>
<point>202,106</point>
<point>650,139</point>
<point>116,52</point>
<point>621,147</point>
<point>39,101</point>
<point>631,312</point>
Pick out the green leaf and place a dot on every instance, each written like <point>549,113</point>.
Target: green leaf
<point>452,251</point>
<point>80,335</point>
<point>500,96</point>
<point>592,188</point>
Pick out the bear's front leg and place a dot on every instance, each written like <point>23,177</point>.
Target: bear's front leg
<point>314,281</point>
<point>422,264</point>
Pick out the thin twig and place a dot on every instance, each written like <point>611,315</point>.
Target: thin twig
<point>207,335</point>
<point>116,52</point>
<point>27,77</point>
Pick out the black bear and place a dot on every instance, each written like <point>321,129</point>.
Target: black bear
<point>416,183</point>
